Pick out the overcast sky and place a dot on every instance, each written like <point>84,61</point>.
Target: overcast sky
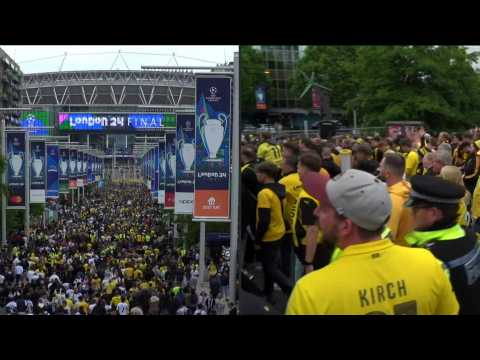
<point>43,58</point>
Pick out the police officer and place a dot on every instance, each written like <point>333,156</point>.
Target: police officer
<point>435,203</point>
<point>372,275</point>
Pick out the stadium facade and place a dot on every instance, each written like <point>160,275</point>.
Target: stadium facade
<point>109,92</point>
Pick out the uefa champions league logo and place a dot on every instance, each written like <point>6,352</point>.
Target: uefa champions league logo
<point>213,90</point>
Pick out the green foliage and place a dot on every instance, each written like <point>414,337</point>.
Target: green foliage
<point>252,74</point>
<point>434,84</point>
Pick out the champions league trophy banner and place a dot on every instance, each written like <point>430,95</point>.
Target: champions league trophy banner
<point>161,172</point>
<point>90,169</point>
<point>170,167</point>
<point>53,183</point>
<point>37,172</point>
<point>155,173</point>
<point>185,153</point>
<point>16,159</point>
<point>64,170</point>
<point>212,147</point>
<point>79,169</point>
<point>72,184</point>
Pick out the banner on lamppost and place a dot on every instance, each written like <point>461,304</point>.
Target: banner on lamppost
<point>37,172</point>
<point>171,167</point>
<point>156,164</point>
<point>64,170</point>
<point>161,172</point>
<point>53,182</point>
<point>213,147</point>
<point>316,100</point>
<point>185,155</point>
<point>90,169</point>
<point>97,169</point>
<point>72,183</point>
<point>79,169</point>
<point>261,97</point>
<point>16,159</point>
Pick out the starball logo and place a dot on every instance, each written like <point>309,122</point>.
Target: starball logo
<point>213,95</point>
<point>211,204</point>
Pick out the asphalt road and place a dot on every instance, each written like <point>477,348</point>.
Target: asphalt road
<point>251,303</point>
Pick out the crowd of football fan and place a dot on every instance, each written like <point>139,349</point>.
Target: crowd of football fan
<point>111,254</point>
<point>279,215</point>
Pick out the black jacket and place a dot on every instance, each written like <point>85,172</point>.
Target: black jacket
<point>465,279</point>
<point>249,191</point>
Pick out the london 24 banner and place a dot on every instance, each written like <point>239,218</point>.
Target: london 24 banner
<point>90,169</point>
<point>213,146</point>
<point>72,164</point>
<point>53,182</point>
<point>64,170</point>
<point>161,172</point>
<point>156,164</point>
<point>37,172</point>
<point>79,169</point>
<point>185,159</point>
<point>171,166</point>
<point>16,158</point>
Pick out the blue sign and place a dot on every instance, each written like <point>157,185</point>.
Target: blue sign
<point>171,166</point>
<point>73,164</point>
<point>90,176</point>
<point>215,238</point>
<point>161,172</point>
<point>114,122</point>
<point>53,183</point>
<point>185,159</point>
<point>16,159</point>
<point>212,142</point>
<point>37,172</point>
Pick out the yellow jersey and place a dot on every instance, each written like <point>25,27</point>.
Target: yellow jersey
<point>270,152</point>
<point>267,199</point>
<point>372,278</point>
<point>299,227</point>
<point>293,187</point>
<point>412,161</point>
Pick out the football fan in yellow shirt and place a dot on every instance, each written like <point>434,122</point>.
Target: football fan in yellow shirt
<point>371,277</point>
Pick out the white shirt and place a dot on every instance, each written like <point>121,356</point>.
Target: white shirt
<point>122,308</point>
<point>2,279</point>
<point>182,311</point>
<point>12,306</point>
<point>30,274</point>
<point>53,278</point>
<point>200,312</point>
<point>19,270</point>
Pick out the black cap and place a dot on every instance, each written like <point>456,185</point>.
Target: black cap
<point>434,190</point>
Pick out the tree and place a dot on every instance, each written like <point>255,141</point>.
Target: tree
<point>434,84</point>
<point>333,68</point>
<point>252,74</point>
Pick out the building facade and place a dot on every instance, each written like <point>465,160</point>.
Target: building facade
<point>10,83</point>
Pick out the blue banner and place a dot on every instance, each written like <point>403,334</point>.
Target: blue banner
<point>170,166</point>
<point>161,172</point>
<point>64,170</point>
<point>261,97</point>
<point>213,144</point>
<point>16,158</point>
<point>90,169</point>
<point>156,173</point>
<point>72,167</point>
<point>53,183</point>
<point>185,159</point>
<point>37,172</point>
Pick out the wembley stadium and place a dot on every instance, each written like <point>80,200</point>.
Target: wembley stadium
<point>161,91</point>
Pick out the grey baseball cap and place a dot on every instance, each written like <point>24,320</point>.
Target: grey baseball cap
<point>360,197</point>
